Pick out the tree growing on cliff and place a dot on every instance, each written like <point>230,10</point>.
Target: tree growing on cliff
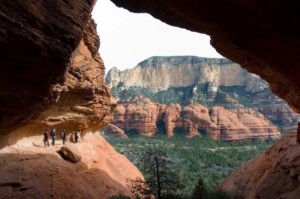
<point>160,179</point>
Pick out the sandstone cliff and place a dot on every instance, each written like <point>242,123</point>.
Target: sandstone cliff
<point>273,174</point>
<point>161,73</point>
<point>260,36</point>
<point>37,40</point>
<point>208,81</point>
<point>143,116</point>
<point>53,77</point>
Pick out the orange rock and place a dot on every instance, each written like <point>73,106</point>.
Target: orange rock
<point>273,174</point>
<point>39,172</point>
<point>142,115</point>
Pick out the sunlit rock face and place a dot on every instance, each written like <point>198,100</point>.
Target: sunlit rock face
<point>209,81</point>
<point>161,73</point>
<point>273,174</point>
<point>261,36</point>
<point>141,115</point>
<point>30,170</point>
<point>52,73</point>
<point>37,40</point>
<point>53,77</point>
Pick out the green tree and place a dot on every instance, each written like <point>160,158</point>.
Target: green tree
<point>199,190</point>
<point>160,179</point>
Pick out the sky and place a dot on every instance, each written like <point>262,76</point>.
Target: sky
<point>127,39</point>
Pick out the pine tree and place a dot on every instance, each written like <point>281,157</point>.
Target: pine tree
<point>160,179</point>
<point>199,190</point>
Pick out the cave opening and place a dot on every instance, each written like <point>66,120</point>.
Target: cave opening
<point>52,76</point>
<point>251,100</point>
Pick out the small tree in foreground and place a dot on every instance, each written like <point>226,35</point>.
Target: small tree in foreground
<point>201,192</point>
<point>160,179</point>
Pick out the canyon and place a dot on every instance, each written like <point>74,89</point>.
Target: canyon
<point>52,76</point>
<point>261,37</point>
<point>213,96</point>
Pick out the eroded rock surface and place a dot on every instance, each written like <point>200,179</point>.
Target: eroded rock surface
<point>143,116</point>
<point>162,73</point>
<point>208,81</point>
<point>114,130</point>
<point>273,174</point>
<point>80,101</point>
<point>53,77</point>
<point>259,35</point>
<point>30,170</point>
<point>37,40</point>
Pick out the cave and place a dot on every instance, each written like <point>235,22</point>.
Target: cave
<point>39,42</point>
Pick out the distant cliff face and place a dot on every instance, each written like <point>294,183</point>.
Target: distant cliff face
<point>207,81</point>
<point>147,118</point>
<point>161,73</point>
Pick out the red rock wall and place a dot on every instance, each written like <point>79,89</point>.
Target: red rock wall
<point>273,174</point>
<point>143,116</point>
<point>37,40</point>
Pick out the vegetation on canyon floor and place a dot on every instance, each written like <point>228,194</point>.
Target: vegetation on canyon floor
<point>212,160</point>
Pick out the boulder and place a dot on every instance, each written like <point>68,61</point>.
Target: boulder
<point>70,153</point>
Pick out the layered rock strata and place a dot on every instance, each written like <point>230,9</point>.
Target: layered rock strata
<point>161,73</point>
<point>37,41</point>
<point>53,77</point>
<point>208,81</point>
<point>143,116</point>
<point>273,174</point>
<point>81,100</point>
<point>260,36</point>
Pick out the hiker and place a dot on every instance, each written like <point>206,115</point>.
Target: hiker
<point>63,136</point>
<point>52,133</point>
<point>46,140</point>
<point>76,135</point>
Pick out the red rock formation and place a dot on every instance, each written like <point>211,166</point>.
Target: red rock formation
<point>260,36</point>
<point>143,116</point>
<point>273,174</point>
<point>53,77</point>
<point>39,172</point>
<point>172,118</point>
<point>140,115</point>
<point>37,40</point>
<point>113,129</point>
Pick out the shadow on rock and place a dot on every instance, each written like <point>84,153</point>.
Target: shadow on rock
<point>49,176</point>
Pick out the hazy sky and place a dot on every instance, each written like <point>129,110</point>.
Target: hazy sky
<point>129,38</point>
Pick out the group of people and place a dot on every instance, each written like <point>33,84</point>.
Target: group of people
<point>63,136</point>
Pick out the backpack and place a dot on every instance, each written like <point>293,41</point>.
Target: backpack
<point>52,133</point>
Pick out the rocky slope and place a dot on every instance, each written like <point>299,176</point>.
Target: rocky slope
<point>273,174</point>
<point>210,82</point>
<point>30,170</point>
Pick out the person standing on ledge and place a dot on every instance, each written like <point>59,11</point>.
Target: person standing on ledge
<point>46,140</point>
<point>63,136</point>
<point>52,133</point>
<point>76,136</point>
